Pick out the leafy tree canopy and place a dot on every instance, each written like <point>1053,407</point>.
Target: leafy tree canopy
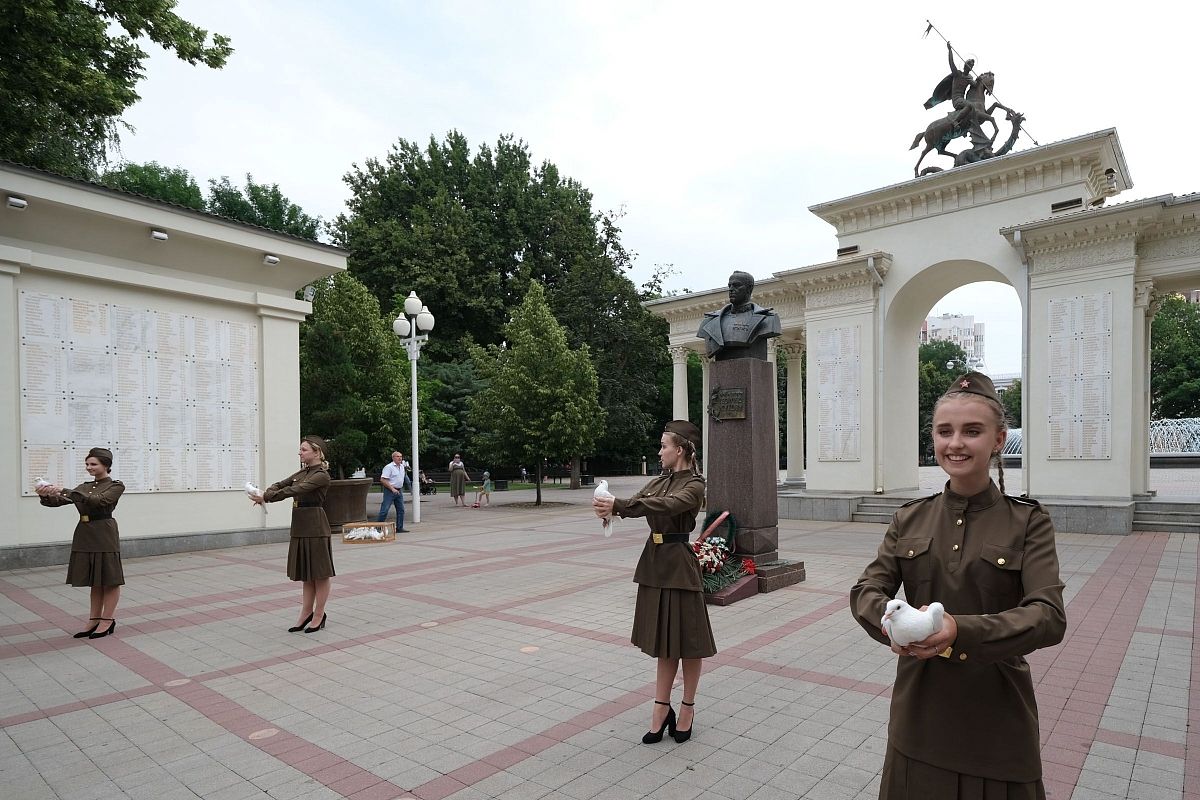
<point>261,204</point>
<point>1175,360</point>
<point>1010,398</point>
<point>353,389</point>
<point>470,233</point>
<point>70,67</point>
<point>172,184</point>
<point>540,400</point>
<point>933,379</point>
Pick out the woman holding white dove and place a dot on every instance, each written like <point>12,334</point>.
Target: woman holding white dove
<point>95,546</point>
<point>964,722</point>
<point>670,620</point>
<point>310,551</point>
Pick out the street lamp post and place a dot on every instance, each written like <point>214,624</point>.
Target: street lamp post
<point>415,317</point>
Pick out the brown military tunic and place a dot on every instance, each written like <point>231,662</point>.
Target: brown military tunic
<point>95,547</point>
<point>670,619</point>
<point>310,552</point>
<point>962,724</point>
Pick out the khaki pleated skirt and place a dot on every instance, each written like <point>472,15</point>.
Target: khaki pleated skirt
<point>310,558</point>
<point>672,623</point>
<point>907,779</point>
<point>95,569</point>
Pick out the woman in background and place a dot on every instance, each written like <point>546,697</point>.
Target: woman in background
<point>670,620</point>
<point>310,552</point>
<point>95,547</point>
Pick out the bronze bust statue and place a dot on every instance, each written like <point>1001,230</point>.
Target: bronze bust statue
<point>741,328</point>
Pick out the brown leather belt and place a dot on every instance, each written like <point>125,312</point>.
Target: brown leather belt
<point>298,504</point>
<point>668,538</point>
<point>95,517</point>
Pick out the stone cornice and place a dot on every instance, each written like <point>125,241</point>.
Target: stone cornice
<point>868,268</point>
<point>1084,160</point>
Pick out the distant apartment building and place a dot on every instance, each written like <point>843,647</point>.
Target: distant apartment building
<point>961,329</point>
<point>1193,296</point>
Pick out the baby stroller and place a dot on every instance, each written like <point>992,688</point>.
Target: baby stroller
<point>427,486</point>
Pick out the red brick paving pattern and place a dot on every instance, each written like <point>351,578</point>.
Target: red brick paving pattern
<point>1075,679</point>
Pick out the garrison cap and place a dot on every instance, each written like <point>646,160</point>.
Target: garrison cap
<point>686,429</point>
<point>974,383</point>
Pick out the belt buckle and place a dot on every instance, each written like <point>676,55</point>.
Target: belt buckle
<point>657,538</point>
<point>84,518</point>
<point>295,503</point>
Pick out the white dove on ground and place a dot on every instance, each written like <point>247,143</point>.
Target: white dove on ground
<point>602,491</point>
<point>905,624</point>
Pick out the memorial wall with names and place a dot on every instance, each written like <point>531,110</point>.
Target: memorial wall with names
<point>1079,401</point>
<point>175,396</point>
<point>839,387</point>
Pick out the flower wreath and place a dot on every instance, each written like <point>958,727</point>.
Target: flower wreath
<point>714,550</point>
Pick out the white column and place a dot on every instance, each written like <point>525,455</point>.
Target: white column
<point>679,391</point>
<point>1145,306</point>
<point>705,388</point>
<point>774,399</point>
<point>794,352</point>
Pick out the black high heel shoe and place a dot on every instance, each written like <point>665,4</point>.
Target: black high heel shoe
<point>89,631</point>
<point>324,617</point>
<point>108,632</point>
<point>653,737</point>
<point>302,625</point>
<point>682,736</point>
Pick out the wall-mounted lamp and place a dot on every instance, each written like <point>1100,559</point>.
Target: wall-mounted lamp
<point>270,260</point>
<point>310,292</point>
<point>18,203</point>
<point>159,236</point>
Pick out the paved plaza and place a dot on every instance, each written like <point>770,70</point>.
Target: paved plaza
<point>486,655</point>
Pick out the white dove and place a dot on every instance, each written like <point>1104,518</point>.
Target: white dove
<point>40,482</point>
<point>254,491</point>
<point>602,491</point>
<point>905,624</point>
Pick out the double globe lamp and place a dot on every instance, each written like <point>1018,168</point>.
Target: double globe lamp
<point>416,317</point>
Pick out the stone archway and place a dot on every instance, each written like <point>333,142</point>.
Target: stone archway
<point>908,307</point>
<point>1088,278</point>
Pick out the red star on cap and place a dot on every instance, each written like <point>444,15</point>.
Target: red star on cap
<point>965,384</point>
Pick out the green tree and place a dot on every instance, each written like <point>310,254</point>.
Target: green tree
<point>541,395</point>
<point>933,378</point>
<point>172,184</point>
<point>470,232</point>
<point>1175,360</point>
<point>69,69</point>
<point>1011,399</point>
<point>261,204</point>
<point>352,385</point>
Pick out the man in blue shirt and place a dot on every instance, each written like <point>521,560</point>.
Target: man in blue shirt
<point>393,481</point>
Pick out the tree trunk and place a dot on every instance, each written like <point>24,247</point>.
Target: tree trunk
<point>538,483</point>
<point>575,472</point>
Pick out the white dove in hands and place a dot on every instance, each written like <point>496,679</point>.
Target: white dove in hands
<point>603,492</point>
<point>905,624</point>
<point>255,494</point>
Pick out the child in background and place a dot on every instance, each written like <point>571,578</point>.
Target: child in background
<point>485,491</point>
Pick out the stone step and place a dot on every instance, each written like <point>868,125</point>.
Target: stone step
<point>1166,505</point>
<point>1167,527</point>
<point>1143,515</point>
<point>875,508</point>
<point>882,519</point>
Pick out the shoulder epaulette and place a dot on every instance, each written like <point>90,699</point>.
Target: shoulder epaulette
<point>1024,500</point>
<point>920,500</point>
<point>114,480</point>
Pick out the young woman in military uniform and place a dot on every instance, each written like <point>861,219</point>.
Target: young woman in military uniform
<point>95,547</point>
<point>310,553</point>
<point>670,620</point>
<point>964,722</point>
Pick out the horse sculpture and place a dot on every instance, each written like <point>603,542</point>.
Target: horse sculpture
<point>967,119</point>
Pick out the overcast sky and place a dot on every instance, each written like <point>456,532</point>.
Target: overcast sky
<point>712,125</point>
